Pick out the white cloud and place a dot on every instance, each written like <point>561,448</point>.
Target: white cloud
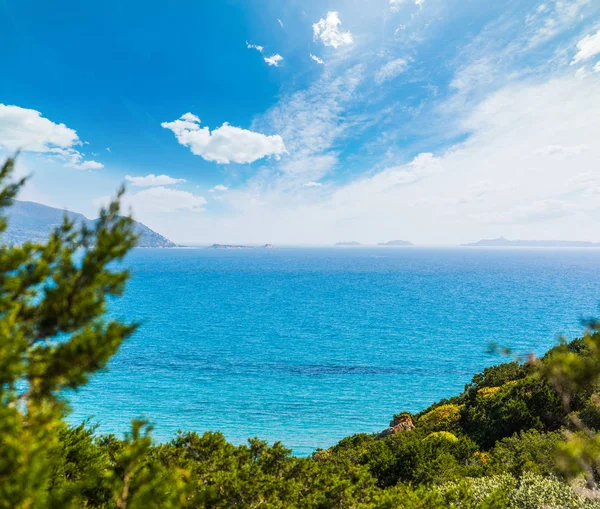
<point>225,144</point>
<point>312,184</point>
<point>158,200</point>
<point>327,30</point>
<point>587,48</point>
<point>108,149</point>
<point>317,59</point>
<point>163,199</point>
<point>597,67</point>
<point>219,188</point>
<point>395,4</point>
<point>390,70</point>
<point>274,60</point>
<point>280,22</point>
<point>153,180</point>
<point>258,48</point>
<point>554,150</point>
<point>86,165</point>
<point>26,129</point>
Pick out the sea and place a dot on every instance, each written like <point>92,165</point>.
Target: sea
<point>309,345</point>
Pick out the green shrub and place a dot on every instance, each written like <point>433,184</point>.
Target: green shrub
<point>527,451</point>
<point>441,418</point>
<point>527,404</point>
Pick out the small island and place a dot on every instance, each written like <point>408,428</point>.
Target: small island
<point>239,246</point>
<point>396,243</point>
<point>352,243</point>
<point>504,242</point>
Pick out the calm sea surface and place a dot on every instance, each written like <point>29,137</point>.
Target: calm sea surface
<point>307,346</point>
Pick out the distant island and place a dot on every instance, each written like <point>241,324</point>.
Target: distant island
<point>239,246</point>
<point>396,243</point>
<point>348,244</point>
<point>31,221</point>
<point>503,242</point>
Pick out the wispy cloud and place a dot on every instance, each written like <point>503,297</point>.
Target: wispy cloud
<point>396,4</point>
<point>319,61</point>
<point>258,48</point>
<point>153,180</point>
<point>311,121</point>
<point>390,70</point>
<point>159,200</point>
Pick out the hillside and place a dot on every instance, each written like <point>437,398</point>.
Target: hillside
<point>396,243</point>
<point>30,221</point>
<point>503,242</point>
<point>508,441</point>
<point>351,243</point>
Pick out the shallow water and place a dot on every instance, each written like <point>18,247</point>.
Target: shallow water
<point>307,346</point>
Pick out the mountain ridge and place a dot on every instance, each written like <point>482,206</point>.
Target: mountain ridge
<point>32,221</point>
<point>396,243</point>
<point>504,242</point>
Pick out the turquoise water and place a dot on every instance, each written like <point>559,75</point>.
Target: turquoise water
<point>307,346</point>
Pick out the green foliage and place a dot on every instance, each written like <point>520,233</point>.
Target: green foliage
<point>495,376</point>
<point>53,337</point>
<point>574,372</point>
<point>445,435</point>
<point>527,451</point>
<point>441,418</point>
<point>590,413</point>
<point>526,404</point>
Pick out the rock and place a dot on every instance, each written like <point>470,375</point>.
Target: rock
<point>401,422</point>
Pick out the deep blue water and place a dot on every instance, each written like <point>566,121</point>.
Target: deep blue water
<point>307,346</point>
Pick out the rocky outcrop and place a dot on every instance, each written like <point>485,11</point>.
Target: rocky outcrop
<point>400,422</point>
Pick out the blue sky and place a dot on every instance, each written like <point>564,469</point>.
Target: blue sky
<point>435,121</point>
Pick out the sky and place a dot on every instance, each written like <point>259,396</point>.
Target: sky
<point>310,122</point>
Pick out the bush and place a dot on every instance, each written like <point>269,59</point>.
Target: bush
<point>527,404</point>
<point>527,451</point>
<point>441,418</point>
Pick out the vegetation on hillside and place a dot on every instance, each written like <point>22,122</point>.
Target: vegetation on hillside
<point>521,435</point>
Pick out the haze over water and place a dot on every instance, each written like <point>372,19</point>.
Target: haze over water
<point>307,346</point>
